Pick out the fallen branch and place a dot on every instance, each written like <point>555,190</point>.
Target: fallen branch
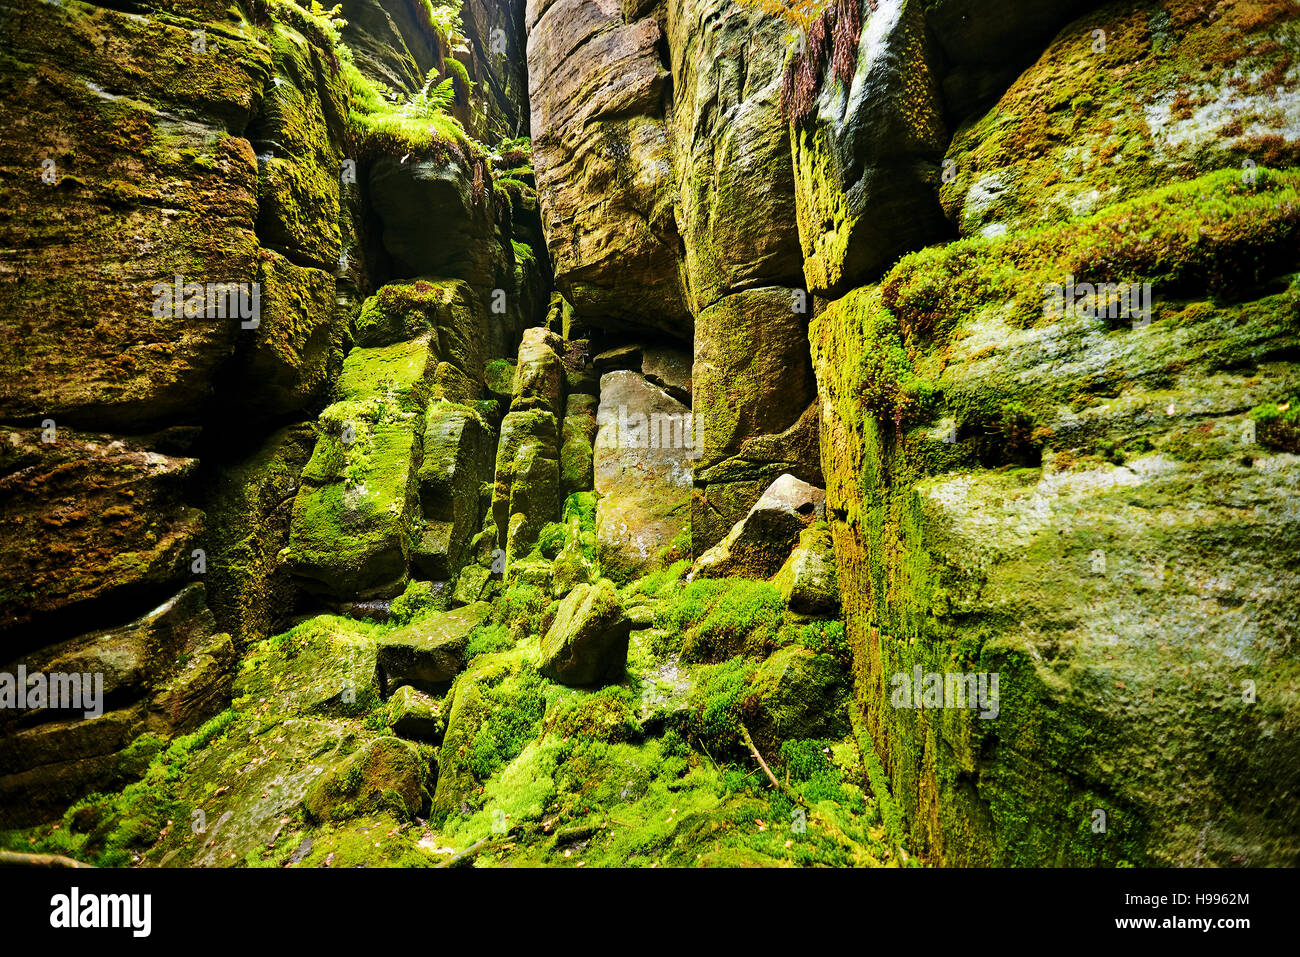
<point>467,855</point>
<point>21,859</point>
<point>744,733</point>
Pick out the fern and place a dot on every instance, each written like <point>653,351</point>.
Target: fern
<point>433,100</point>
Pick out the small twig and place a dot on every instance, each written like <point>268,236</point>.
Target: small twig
<point>744,733</point>
<point>21,859</point>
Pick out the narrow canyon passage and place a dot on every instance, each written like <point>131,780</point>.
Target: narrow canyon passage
<point>650,433</point>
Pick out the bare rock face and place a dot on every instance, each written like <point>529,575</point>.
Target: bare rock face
<point>730,135</point>
<point>604,164</point>
<point>645,446</point>
<point>408,196</point>
<point>755,405</point>
<point>984,46</point>
<point>86,517</point>
<point>867,162</point>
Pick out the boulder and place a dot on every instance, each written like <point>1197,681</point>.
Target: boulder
<point>357,511</point>
<point>386,774</point>
<point>808,580</point>
<point>645,447</point>
<point>759,544</point>
<point>457,458</point>
<point>797,694</point>
<point>326,667</point>
<point>415,715</point>
<point>577,451</point>
<point>526,493</point>
<point>539,373</point>
<point>429,653</point>
<point>587,643</point>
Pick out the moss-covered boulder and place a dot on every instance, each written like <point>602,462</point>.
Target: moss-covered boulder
<point>539,373</point>
<point>457,457</point>
<point>496,710</point>
<point>386,774</point>
<point>415,715</point>
<point>356,517</point>
<point>429,653</point>
<point>808,580</point>
<point>526,492</point>
<point>325,667</point>
<point>577,448</point>
<point>797,694</point>
<point>587,642</point>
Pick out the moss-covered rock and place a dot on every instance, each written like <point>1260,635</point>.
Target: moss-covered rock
<point>759,545</point>
<point>808,581</point>
<point>1162,93</point>
<point>866,159</point>
<point>526,493</point>
<point>387,774</point>
<point>983,526</point>
<point>457,457</point>
<point>429,653</point>
<point>587,643</point>
<point>89,517</point>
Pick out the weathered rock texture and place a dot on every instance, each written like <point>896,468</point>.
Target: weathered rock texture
<point>604,163</point>
<point>1078,503</point>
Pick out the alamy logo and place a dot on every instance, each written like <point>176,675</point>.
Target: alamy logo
<point>951,690</point>
<point>209,300</point>
<point>72,910</point>
<point>56,691</point>
<point>1107,300</point>
<point>658,430</point>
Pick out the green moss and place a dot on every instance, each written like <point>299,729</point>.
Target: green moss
<point>609,715</point>
<point>1278,424</point>
<point>719,618</point>
<point>111,830</point>
<point>419,599</point>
